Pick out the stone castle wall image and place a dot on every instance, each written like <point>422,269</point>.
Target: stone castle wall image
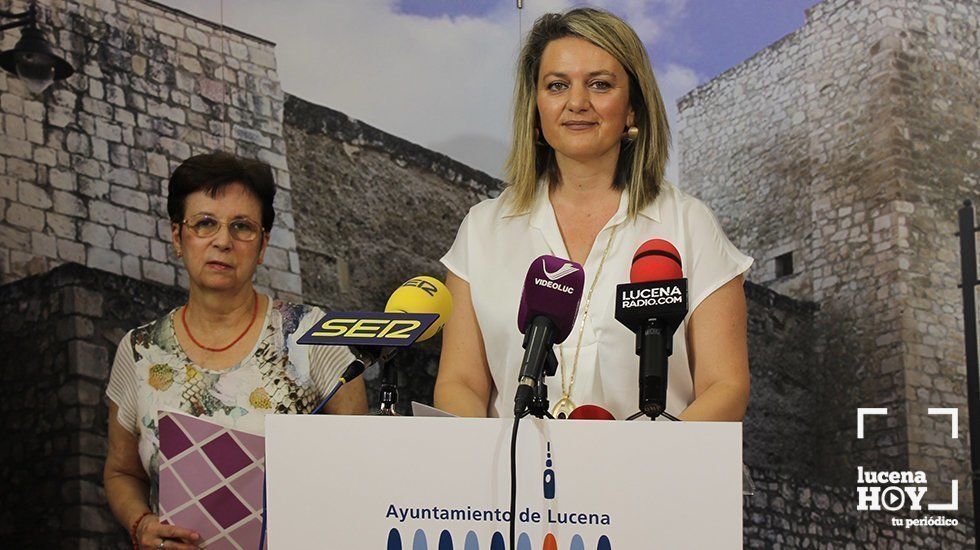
<point>849,145</point>
<point>83,172</point>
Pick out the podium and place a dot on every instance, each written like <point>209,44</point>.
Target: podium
<point>408,483</point>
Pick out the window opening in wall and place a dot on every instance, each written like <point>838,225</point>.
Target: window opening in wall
<point>784,264</point>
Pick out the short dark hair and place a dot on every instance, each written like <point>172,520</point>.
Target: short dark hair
<point>212,172</point>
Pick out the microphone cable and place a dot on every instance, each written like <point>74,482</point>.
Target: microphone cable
<point>355,369</point>
<point>264,506</point>
<point>513,478</point>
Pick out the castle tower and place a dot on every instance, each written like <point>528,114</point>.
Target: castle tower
<point>837,157</point>
<point>84,169</point>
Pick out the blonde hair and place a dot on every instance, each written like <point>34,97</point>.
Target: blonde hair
<point>642,162</point>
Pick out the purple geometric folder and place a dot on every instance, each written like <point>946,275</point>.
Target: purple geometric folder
<point>211,481</point>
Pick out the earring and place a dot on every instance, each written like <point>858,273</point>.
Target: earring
<point>631,133</point>
<point>180,254</point>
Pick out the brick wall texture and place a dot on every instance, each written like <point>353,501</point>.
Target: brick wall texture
<point>850,143</point>
<point>59,335</point>
<point>83,169</point>
<point>372,211</point>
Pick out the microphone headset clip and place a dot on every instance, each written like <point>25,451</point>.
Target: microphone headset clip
<point>538,404</point>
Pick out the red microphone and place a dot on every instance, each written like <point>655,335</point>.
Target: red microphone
<point>656,260</point>
<point>590,412</point>
<point>652,305</point>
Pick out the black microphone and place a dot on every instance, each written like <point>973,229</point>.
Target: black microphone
<point>653,305</point>
<point>549,302</point>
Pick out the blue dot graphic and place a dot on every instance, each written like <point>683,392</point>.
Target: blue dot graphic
<point>577,543</point>
<point>472,543</point>
<point>524,542</point>
<point>497,542</point>
<point>419,542</point>
<point>604,543</point>
<point>394,540</point>
<point>445,541</point>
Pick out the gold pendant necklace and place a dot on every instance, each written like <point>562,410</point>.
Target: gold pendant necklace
<point>564,406</point>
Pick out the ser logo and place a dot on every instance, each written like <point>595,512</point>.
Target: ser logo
<point>361,328</point>
<point>367,328</point>
<point>423,285</point>
<point>897,490</point>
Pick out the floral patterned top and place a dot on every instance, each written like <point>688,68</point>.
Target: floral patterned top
<point>151,373</point>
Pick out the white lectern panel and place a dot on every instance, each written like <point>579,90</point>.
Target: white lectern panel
<point>425,483</point>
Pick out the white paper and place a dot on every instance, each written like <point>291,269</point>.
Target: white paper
<point>421,409</point>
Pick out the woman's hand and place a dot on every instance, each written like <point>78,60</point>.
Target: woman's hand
<point>153,535</point>
<point>127,490</point>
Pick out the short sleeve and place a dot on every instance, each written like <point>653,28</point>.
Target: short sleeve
<point>327,363</point>
<point>716,260</point>
<point>457,259</point>
<point>124,384</point>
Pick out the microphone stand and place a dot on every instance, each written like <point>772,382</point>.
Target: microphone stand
<point>665,414</point>
<point>389,389</point>
<point>654,344</point>
<point>539,406</point>
<point>389,376</point>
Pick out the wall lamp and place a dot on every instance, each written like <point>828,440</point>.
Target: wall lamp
<point>32,58</point>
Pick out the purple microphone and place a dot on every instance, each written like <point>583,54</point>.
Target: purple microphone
<point>549,303</point>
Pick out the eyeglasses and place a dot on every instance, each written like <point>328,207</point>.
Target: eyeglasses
<point>241,229</point>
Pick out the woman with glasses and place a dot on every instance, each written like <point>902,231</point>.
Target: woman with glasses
<point>229,355</point>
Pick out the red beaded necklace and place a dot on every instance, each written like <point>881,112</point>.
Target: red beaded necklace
<point>187,329</point>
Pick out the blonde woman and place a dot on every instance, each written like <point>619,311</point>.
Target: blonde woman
<point>586,182</point>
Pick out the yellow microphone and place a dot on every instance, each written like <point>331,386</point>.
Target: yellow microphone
<point>423,294</point>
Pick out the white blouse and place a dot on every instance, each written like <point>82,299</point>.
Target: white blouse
<point>494,248</point>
